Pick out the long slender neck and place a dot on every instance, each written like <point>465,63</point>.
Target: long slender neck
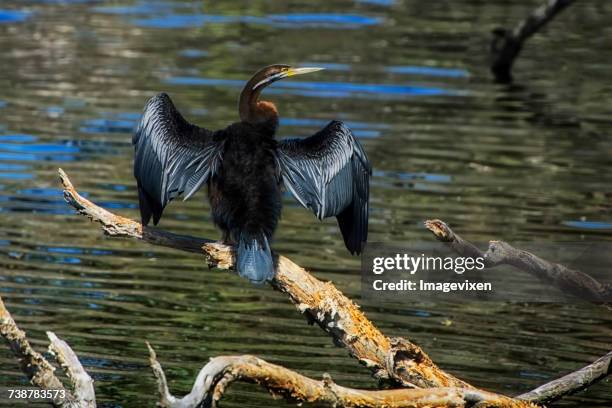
<point>247,106</point>
<point>254,111</point>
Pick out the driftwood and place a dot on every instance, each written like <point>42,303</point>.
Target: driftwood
<point>569,281</point>
<point>507,44</point>
<point>215,377</point>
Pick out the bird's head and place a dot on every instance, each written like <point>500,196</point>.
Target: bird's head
<point>254,111</point>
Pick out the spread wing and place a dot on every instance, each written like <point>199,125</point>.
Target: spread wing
<point>330,173</point>
<point>172,156</point>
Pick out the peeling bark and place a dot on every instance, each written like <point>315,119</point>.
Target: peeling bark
<point>507,44</point>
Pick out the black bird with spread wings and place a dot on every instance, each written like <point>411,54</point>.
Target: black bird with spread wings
<point>244,168</point>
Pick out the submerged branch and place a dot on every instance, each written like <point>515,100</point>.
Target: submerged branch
<point>393,359</point>
<point>507,44</point>
<point>216,376</point>
<point>569,281</point>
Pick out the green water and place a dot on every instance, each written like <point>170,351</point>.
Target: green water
<point>530,161</point>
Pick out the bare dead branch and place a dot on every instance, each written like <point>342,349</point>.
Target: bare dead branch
<point>570,281</point>
<point>38,370</point>
<point>395,360</point>
<point>81,381</point>
<point>216,376</point>
<point>571,383</point>
<point>507,44</point>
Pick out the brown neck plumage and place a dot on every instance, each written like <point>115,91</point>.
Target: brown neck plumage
<point>251,109</point>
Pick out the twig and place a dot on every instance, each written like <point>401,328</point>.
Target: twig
<point>507,44</point>
<point>393,359</point>
<point>216,376</point>
<point>569,281</point>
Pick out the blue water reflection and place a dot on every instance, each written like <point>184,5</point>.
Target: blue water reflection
<point>13,16</point>
<point>163,15</point>
<point>193,53</point>
<point>429,71</point>
<point>108,126</point>
<point>291,21</point>
<point>326,89</point>
<point>590,225</point>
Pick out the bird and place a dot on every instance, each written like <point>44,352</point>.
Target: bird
<point>246,169</point>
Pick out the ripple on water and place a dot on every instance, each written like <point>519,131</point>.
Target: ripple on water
<point>385,3</point>
<point>590,225</point>
<point>428,71</point>
<point>161,14</point>
<point>193,53</point>
<point>155,18</point>
<point>68,2</point>
<point>362,130</point>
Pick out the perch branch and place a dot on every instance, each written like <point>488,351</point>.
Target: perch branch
<point>394,359</point>
<point>569,281</point>
<point>215,377</point>
<point>507,44</point>
<point>40,372</point>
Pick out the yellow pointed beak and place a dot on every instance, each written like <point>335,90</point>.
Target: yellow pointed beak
<point>300,71</point>
<point>285,74</point>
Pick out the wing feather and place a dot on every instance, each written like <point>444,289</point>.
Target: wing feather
<point>172,156</point>
<point>329,173</point>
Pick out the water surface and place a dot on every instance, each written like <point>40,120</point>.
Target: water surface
<point>531,161</point>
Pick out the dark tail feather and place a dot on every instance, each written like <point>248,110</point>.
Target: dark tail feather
<point>254,259</point>
<point>148,207</point>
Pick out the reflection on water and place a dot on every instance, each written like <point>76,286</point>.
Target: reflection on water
<point>524,162</point>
